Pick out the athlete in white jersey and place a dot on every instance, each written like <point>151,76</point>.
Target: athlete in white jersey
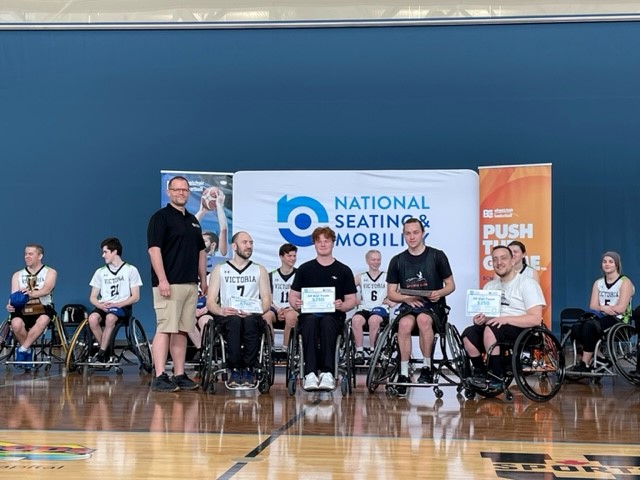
<point>281,312</point>
<point>240,278</point>
<point>115,287</point>
<point>611,300</point>
<point>37,281</point>
<point>374,304</point>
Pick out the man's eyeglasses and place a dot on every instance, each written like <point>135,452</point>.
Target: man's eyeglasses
<point>180,190</point>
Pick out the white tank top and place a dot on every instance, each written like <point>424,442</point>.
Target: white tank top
<point>239,283</point>
<point>280,286</point>
<point>35,281</point>
<point>609,295</point>
<point>116,286</point>
<point>372,290</point>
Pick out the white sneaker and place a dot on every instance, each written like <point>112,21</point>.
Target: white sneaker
<point>327,381</point>
<point>310,382</point>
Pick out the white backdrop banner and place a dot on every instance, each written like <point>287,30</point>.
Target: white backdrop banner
<point>366,209</point>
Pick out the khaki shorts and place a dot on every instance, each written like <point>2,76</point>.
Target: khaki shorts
<point>176,313</point>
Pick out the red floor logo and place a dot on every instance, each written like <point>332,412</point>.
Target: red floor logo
<point>16,451</point>
<point>540,466</point>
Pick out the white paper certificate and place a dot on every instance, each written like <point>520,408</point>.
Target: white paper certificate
<point>483,301</point>
<point>246,305</point>
<point>318,300</point>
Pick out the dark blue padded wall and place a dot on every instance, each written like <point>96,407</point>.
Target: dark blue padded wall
<point>89,118</point>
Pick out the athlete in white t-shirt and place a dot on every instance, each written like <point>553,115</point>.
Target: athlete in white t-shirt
<point>521,307</point>
<point>115,287</point>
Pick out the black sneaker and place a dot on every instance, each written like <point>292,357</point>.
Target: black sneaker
<point>184,383</point>
<point>358,358</point>
<point>478,380</point>
<point>426,375</point>
<point>163,383</point>
<point>402,389</point>
<point>581,367</point>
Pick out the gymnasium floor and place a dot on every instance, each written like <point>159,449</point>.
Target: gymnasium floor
<point>103,425</point>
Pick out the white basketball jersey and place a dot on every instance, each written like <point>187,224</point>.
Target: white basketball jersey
<point>280,286</point>
<point>239,283</point>
<point>28,280</point>
<point>115,286</point>
<point>372,290</point>
<point>610,294</point>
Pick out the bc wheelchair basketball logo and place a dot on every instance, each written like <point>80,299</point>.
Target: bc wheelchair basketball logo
<point>299,214</point>
<point>16,451</point>
<point>541,466</point>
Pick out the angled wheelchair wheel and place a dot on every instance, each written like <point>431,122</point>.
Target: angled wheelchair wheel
<point>6,341</point>
<point>207,382</point>
<point>344,362</point>
<point>622,343</point>
<point>456,354</point>
<point>538,364</point>
<point>294,361</point>
<point>79,347</point>
<point>385,359</point>
<point>267,368</point>
<point>140,345</point>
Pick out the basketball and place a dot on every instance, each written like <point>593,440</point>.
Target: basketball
<point>209,197</point>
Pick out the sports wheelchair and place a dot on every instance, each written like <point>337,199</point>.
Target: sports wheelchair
<point>344,372</point>
<point>616,352</point>
<point>50,348</point>
<point>83,346</point>
<point>536,362</point>
<point>213,360</point>
<point>450,370</point>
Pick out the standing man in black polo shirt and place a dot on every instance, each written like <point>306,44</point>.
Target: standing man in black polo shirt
<point>322,328</point>
<point>178,260</point>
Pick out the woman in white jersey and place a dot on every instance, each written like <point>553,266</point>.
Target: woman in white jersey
<point>518,250</point>
<point>610,301</point>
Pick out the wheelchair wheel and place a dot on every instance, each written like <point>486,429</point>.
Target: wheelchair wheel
<point>207,382</point>
<point>79,347</point>
<point>344,362</point>
<point>538,364</point>
<point>456,354</point>
<point>385,360</point>
<point>622,343</point>
<point>267,369</point>
<point>294,361</point>
<point>141,346</point>
<point>6,341</point>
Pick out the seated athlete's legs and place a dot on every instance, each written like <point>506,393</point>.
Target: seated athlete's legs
<point>95,320</point>
<point>252,332</point>
<point>374,327</point>
<point>425,329</point>
<point>231,329</point>
<point>591,333</point>
<point>109,329</point>
<point>473,342</point>
<point>357,327</point>
<point>29,328</point>
<point>331,326</point>
<point>290,321</point>
<point>270,317</point>
<point>309,328</point>
<point>504,334</point>
<point>405,327</point>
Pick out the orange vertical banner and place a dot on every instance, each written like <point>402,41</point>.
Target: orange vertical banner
<point>515,204</point>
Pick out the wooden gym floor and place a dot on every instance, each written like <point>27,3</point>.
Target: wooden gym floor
<point>102,425</point>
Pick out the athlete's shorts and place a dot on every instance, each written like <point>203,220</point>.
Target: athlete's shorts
<point>30,320</point>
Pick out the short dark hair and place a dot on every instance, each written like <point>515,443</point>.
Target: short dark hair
<point>177,177</point>
<point>502,246</point>
<point>287,248</point>
<point>213,238</point>
<point>37,246</point>
<point>113,244</point>
<point>413,220</point>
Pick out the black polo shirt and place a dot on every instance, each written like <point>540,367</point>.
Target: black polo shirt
<point>179,237</point>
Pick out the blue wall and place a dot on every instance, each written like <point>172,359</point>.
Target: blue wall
<point>89,118</point>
